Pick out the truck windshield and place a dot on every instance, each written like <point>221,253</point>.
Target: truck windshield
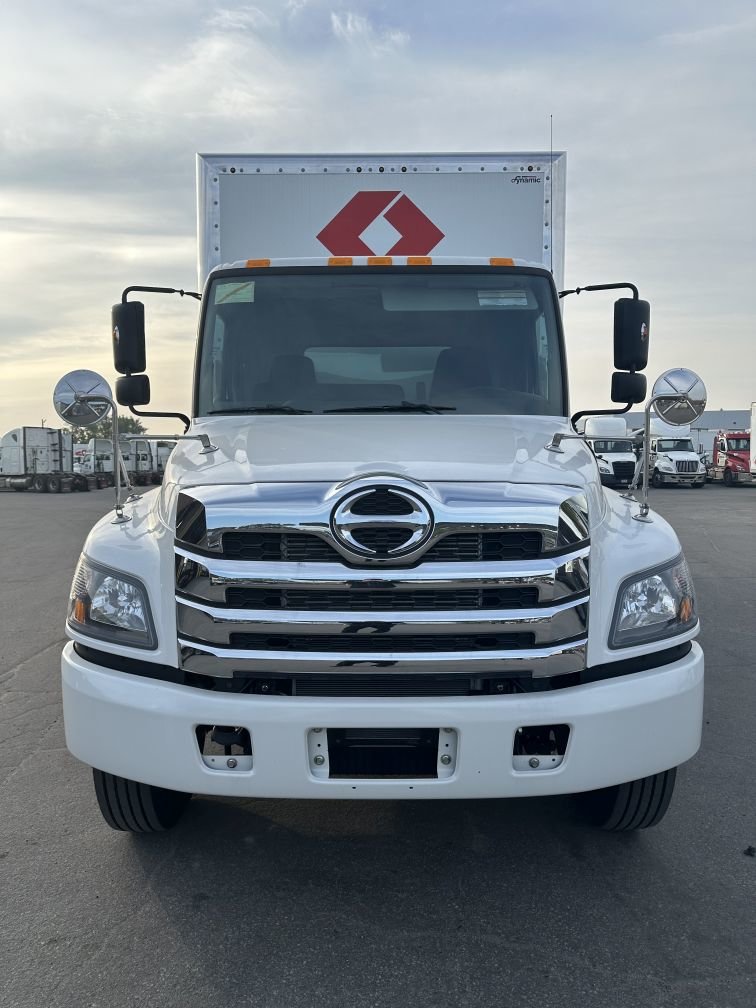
<point>610,447</point>
<point>675,444</point>
<point>345,340</point>
<point>738,443</point>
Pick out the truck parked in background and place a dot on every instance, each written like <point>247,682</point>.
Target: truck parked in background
<point>731,459</point>
<point>40,459</point>
<point>149,457</point>
<point>613,447</point>
<point>674,460</point>
<point>381,564</point>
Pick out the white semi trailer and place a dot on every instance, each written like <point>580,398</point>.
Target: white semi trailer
<point>382,564</point>
<point>40,459</point>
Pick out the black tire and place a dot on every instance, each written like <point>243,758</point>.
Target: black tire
<point>656,480</point>
<point>635,805</point>
<point>39,484</point>
<point>728,480</point>
<point>137,808</point>
<point>54,484</point>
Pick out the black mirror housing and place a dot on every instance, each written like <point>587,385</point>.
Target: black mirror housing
<point>626,387</point>
<point>129,356</point>
<point>631,327</point>
<point>133,390</point>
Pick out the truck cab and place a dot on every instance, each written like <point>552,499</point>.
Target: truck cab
<point>614,449</point>
<point>675,462</point>
<point>731,459</point>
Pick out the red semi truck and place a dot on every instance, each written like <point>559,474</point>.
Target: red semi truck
<point>731,458</point>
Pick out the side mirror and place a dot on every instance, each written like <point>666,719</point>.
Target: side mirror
<point>627,387</point>
<point>631,324</point>
<point>127,320</point>
<point>133,390</point>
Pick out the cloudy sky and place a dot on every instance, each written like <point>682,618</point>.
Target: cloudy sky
<point>105,105</point>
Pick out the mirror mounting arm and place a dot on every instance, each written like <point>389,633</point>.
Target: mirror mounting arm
<point>179,416</point>
<point>600,412</point>
<point>119,467</point>
<point>602,287</point>
<point>159,290</point>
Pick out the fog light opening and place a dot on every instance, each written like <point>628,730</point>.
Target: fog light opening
<point>539,747</point>
<point>224,747</point>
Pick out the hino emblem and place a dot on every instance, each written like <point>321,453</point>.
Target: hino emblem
<point>381,522</point>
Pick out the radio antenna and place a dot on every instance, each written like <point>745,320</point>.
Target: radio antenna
<point>550,193</point>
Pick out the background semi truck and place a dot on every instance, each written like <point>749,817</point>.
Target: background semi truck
<point>382,564</point>
<point>731,461</point>
<point>674,460</point>
<point>40,459</point>
<point>613,447</point>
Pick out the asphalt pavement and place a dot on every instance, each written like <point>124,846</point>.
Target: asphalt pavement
<point>359,904</point>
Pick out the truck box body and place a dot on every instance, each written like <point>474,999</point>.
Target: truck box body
<point>36,450</point>
<point>303,206</point>
<point>381,564</point>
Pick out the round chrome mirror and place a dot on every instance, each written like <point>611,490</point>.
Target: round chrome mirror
<point>682,397</point>
<point>70,407</point>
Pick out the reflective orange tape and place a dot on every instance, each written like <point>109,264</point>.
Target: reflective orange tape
<point>502,262</point>
<point>251,263</point>
<point>340,261</point>
<point>380,261</point>
<point>419,261</point>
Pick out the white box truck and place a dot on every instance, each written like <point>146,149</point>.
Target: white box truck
<point>382,563</point>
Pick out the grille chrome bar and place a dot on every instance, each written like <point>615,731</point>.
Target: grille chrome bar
<point>210,660</point>
<point>215,626</point>
<point>556,578</point>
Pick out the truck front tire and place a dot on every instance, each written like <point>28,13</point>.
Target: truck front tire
<point>656,480</point>
<point>137,808</point>
<point>635,805</point>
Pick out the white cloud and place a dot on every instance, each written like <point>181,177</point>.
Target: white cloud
<point>358,33</point>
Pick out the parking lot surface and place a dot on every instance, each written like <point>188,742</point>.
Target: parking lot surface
<point>287,903</point>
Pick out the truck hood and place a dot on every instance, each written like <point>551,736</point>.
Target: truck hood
<point>432,448</point>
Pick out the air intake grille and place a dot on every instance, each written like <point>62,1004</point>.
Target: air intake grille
<point>686,466</point>
<point>302,547</point>
<point>381,643</point>
<point>624,470</point>
<point>344,600</point>
<point>382,502</point>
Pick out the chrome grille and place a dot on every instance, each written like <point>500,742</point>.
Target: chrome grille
<point>623,470</point>
<point>499,588</point>
<point>686,466</point>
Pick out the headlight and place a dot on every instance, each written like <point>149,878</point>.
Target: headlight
<point>111,606</point>
<point>604,468</point>
<point>665,465</point>
<point>653,605</point>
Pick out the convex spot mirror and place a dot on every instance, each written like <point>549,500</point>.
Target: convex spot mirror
<point>69,406</point>
<point>631,327</point>
<point>682,397</point>
<point>127,323</point>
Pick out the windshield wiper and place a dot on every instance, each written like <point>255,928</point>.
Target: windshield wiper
<point>282,408</point>
<point>403,407</point>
